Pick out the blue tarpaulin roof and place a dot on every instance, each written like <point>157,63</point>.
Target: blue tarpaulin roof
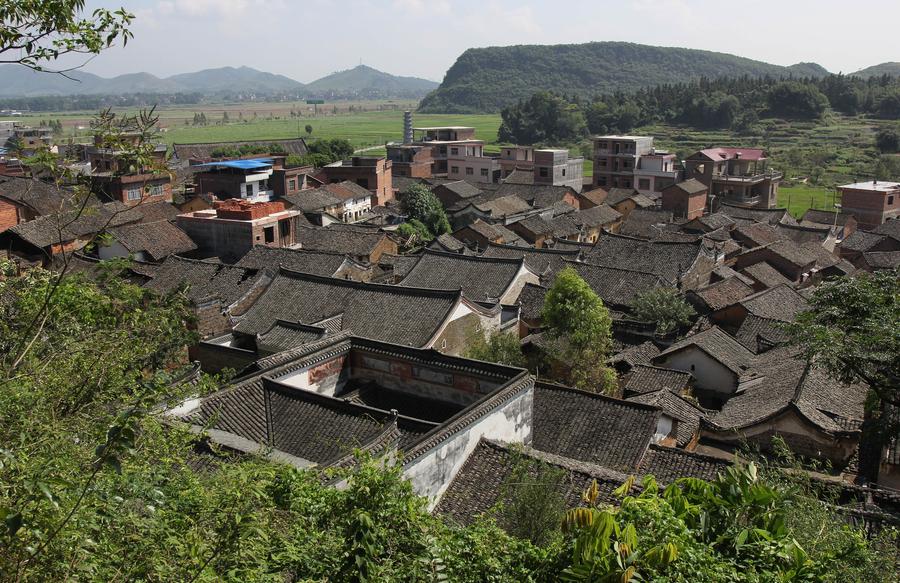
<point>254,164</point>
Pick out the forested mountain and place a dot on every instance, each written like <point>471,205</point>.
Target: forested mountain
<point>364,81</point>
<point>890,68</point>
<point>488,79</point>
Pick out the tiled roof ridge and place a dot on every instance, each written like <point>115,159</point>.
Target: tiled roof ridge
<point>474,258</point>
<point>534,250</point>
<point>763,292</point>
<point>332,402</point>
<point>468,416</point>
<point>294,326</point>
<point>676,395</point>
<point>686,453</point>
<point>598,396</point>
<point>383,287</point>
<point>592,264</point>
<point>737,206</point>
<point>266,141</point>
<point>389,436</point>
<point>568,463</point>
<point>288,358</point>
<point>698,244</point>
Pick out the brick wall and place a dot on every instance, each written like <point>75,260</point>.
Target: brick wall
<point>9,215</point>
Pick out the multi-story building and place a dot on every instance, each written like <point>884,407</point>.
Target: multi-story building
<point>738,176</point>
<point>686,200</point>
<point>872,202</point>
<point>654,172</point>
<point>411,160</point>
<point>554,167</point>
<point>233,227</point>
<point>516,158</point>
<point>114,177</point>
<point>616,157</point>
<point>374,173</point>
<point>29,139</point>
<point>447,142</point>
<point>242,179</point>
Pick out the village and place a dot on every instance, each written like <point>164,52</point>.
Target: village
<point>346,331</point>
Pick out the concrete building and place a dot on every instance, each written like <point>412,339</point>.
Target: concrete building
<point>555,167</point>
<point>738,176</point>
<point>616,157</point>
<point>241,179</point>
<point>233,227</point>
<point>113,176</point>
<point>446,142</point>
<point>654,172</point>
<point>411,160</point>
<point>872,202</point>
<point>374,173</point>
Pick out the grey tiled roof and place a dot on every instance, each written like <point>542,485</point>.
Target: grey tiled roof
<point>616,287</point>
<point>356,242</point>
<point>757,332</point>
<point>636,355</point>
<point>596,216</point>
<point>717,344</point>
<point>793,252</point>
<point>42,198</point>
<point>861,241</point>
<point>667,464</point>
<point>302,260</point>
<point>285,335</point>
<point>771,216</point>
<point>669,260</point>
<point>821,217</point>
<point>714,221</point>
<point>307,425</point>
<point>75,224</point>
<point>448,243</point>
<point>686,414</point>
<point>537,195</point>
<point>591,428</point>
<point>777,303</point>
<point>480,279</point>
<point>482,480</point>
<point>691,186</point>
<point>889,228</point>
<point>723,293</point>
<point>203,280</point>
<point>401,315</point>
<point>650,379</point>
<point>531,301</point>
<point>462,189</point>
<point>764,273</point>
<point>159,239</point>
<point>616,195</point>
<point>314,199</point>
<point>493,232</point>
<point>293,146</point>
<point>757,234</point>
<point>882,259</point>
<point>542,261</point>
<point>645,223</point>
<point>781,381</point>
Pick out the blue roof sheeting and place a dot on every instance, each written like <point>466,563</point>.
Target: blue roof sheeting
<point>254,164</point>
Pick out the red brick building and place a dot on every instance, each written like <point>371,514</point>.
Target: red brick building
<point>872,203</point>
<point>372,173</point>
<point>113,178</point>
<point>412,160</point>
<point>685,199</point>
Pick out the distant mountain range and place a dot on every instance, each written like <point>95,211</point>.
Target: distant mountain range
<point>891,68</point>
<point>361,81</point>
<point>488,79</point>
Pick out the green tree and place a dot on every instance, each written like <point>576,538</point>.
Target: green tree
<point>852,330</point>
<point>578,328</point>
<point>663,306</point>
<point>532,503</point>
<point>414,233</point>
<point>887,140</point>
<point>309,129</point>
<point>225,117</point>
<point>35,32</point>
<point>420,204</point>
<point>545,118</point>
<point>500,347</point>
<point>887,167</point>
<point>792,99</point>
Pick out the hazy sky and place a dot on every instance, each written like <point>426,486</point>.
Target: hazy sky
<point>307,39</point>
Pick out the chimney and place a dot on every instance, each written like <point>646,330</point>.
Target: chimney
<point>737,155</point>
<point>407,127</point>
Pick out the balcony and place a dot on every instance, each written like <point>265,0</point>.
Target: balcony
<point>747,178</point>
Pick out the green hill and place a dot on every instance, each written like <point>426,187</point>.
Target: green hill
<point>488,79</point>
<point>890,68</point>
<point>363,81</point>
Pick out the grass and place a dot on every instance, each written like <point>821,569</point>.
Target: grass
<point>797,199</point>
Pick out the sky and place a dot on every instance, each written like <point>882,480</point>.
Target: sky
<point>308,39</point>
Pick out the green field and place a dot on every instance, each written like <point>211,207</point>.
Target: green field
<point>797,199</point>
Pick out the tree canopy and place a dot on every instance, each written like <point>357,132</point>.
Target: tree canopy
<point>663,306</point>
<point>544,118</point>
<point>420,204</point>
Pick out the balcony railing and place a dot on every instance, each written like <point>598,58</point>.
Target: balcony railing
<point>748,178</point>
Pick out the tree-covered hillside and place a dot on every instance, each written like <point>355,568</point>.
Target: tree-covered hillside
<point>488,79</point>
<point>890,68</point>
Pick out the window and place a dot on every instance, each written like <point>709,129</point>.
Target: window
<point>626,184</point>
<point>543,172</point>
<point>890,200</point>
<point>484,172</point>
<point>454,170</point>
<point>269,234</point>
<point>454,151</point>
<point>470,171</point>
<point>564,171</point>
<point>284,228</point>
<point>601,163</point>
<point>292,185</point>
<point>364,182</point>
<point>249,190</point>
<point>134,193</point>
<point>601,181</point>
<point>644,184</point>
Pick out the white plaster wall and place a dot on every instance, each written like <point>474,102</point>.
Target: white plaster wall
<point>432,473</point>
<point>709,373</point>
<point>511,296</point>
<point>663,428</point>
